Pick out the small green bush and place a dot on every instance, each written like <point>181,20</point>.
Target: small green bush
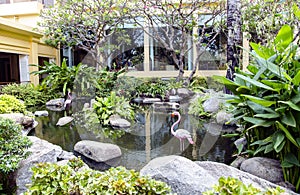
<point>196,108</point>
<point>54,179</point>
<point>13,148</point>
<point>26,92</point>
<point>10,104</point>
<point>236,187</point>
<point>110,105</point>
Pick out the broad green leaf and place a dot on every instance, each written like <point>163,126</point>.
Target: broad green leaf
<point>291,158</point>
<point>254,82</point>
<point>278,141</point>
<point>284,38</point>
<point>296,11</point>
<point>228,83</point>
<point>243,89</point>
<point>296,98</point>
<point>260,101</point>
<point>269,148</point>
<point>289,119</point>
<point>260,149</point>
<point>262,51</point>
<point>296,79</point>
<point>291,105</point>
<point>254,120</point>
<point>275,84</point>
<point>286,164</point>
<point>265,124</point>
<point>259,109</point>
<point>267,116</point>
<point>287,133</point>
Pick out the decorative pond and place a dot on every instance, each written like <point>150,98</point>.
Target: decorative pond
<point>148,138</point>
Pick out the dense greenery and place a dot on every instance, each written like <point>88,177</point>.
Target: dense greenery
<point>266,101</point>
<point>59,78</point>
<point>72,178</point>
<point>13,148</point>
<point>28,93</point>
<point>153,87</point>
<point>111,105</point>
<point>236,187</point>
<point>10,104</point>
<point>196,107</point>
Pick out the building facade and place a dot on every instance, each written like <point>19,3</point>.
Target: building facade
<point>20,45</point>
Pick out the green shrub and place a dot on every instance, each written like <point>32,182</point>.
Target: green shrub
<point>198,84</point>
<point>236,187</point>
<point>110,105</point>
<point>13,148</point>
<point>54,179</point>
<point>10,104</point>
<point>26,92</point>
<point>153,87</point>
<point>196,107</point>
<point>266,102</point>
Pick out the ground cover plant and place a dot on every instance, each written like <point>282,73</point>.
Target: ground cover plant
<point>13,148</point>
<point>236,187</point>
<point>49,178</point>
<point>10,104</point>
<point>266,102</point>
<point>29,93</point>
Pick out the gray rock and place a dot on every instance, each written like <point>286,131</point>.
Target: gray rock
<point>17,117</point>
<point>56,102</point>
<point>212,104</point>
<point>117,121</point>
<point>183,175</point>
<point>97,151</point>
<point>175,98</point>
<point>223,117</point>
<point>237,162</point>
<point>64,120</point>
<point>55,108</point>
<point>27,121</point>
<point>266,168</point>
<point>184,92</point>
<point>41,113</point>
<point>164,106</point>
<point>41,151</point>
<point>188,177</point>
<point>151,100</point>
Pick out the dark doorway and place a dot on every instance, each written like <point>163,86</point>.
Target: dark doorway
<point>9,68</point>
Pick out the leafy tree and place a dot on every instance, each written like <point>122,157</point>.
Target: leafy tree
<point>174,25</point>
<point>86,24</point>
<point>13,148</point>
<point>262,19</point>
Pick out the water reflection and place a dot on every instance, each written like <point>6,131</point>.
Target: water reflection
<point>148,138</point>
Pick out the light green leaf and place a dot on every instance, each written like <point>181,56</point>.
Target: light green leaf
<point>254,120</point>
<point>262,51</point>
<point>278,141</point>
<point>284,38</point>
<point>296,79</point>
<point>287,133</point>
<point>261,101</point>
<point>291,158</point>
<point>254,82</point>
<point>267,116</point>
<point>291,105</point>
<point>296,11</point>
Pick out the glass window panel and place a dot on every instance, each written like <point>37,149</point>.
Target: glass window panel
<point>127,49</point>
<point>161,58</point>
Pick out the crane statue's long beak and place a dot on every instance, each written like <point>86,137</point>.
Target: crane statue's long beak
<point>173,114</point>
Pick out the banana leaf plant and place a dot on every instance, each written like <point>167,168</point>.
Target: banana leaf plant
<point>266,102</point>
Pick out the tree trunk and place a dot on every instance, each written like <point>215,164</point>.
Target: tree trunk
<point>234,36</point>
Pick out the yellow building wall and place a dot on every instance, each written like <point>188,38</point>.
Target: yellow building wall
<point>20,39</point>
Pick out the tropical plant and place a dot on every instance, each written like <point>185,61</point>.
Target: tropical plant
<point>153,87</point>
<point>196,107</point>
<point>106,82</point>
<point>26,92</point>
<point>126,86</point>
<point>13,148</point>
<point>110,105</point>
<point>59,78</point>
<point>266,101</point>
<point>198,84</point>
<point>236,187</point>
<point>50,178</point>
<point>10,104</point>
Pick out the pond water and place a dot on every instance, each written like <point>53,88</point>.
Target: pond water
<point>148,138</point>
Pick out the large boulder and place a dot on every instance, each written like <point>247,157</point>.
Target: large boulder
<point>59,102</point>
<point>41,151</point>
<point>117,121</point>
<point>97,151</point>
<point>266,168</point>
<point>188,177</point>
